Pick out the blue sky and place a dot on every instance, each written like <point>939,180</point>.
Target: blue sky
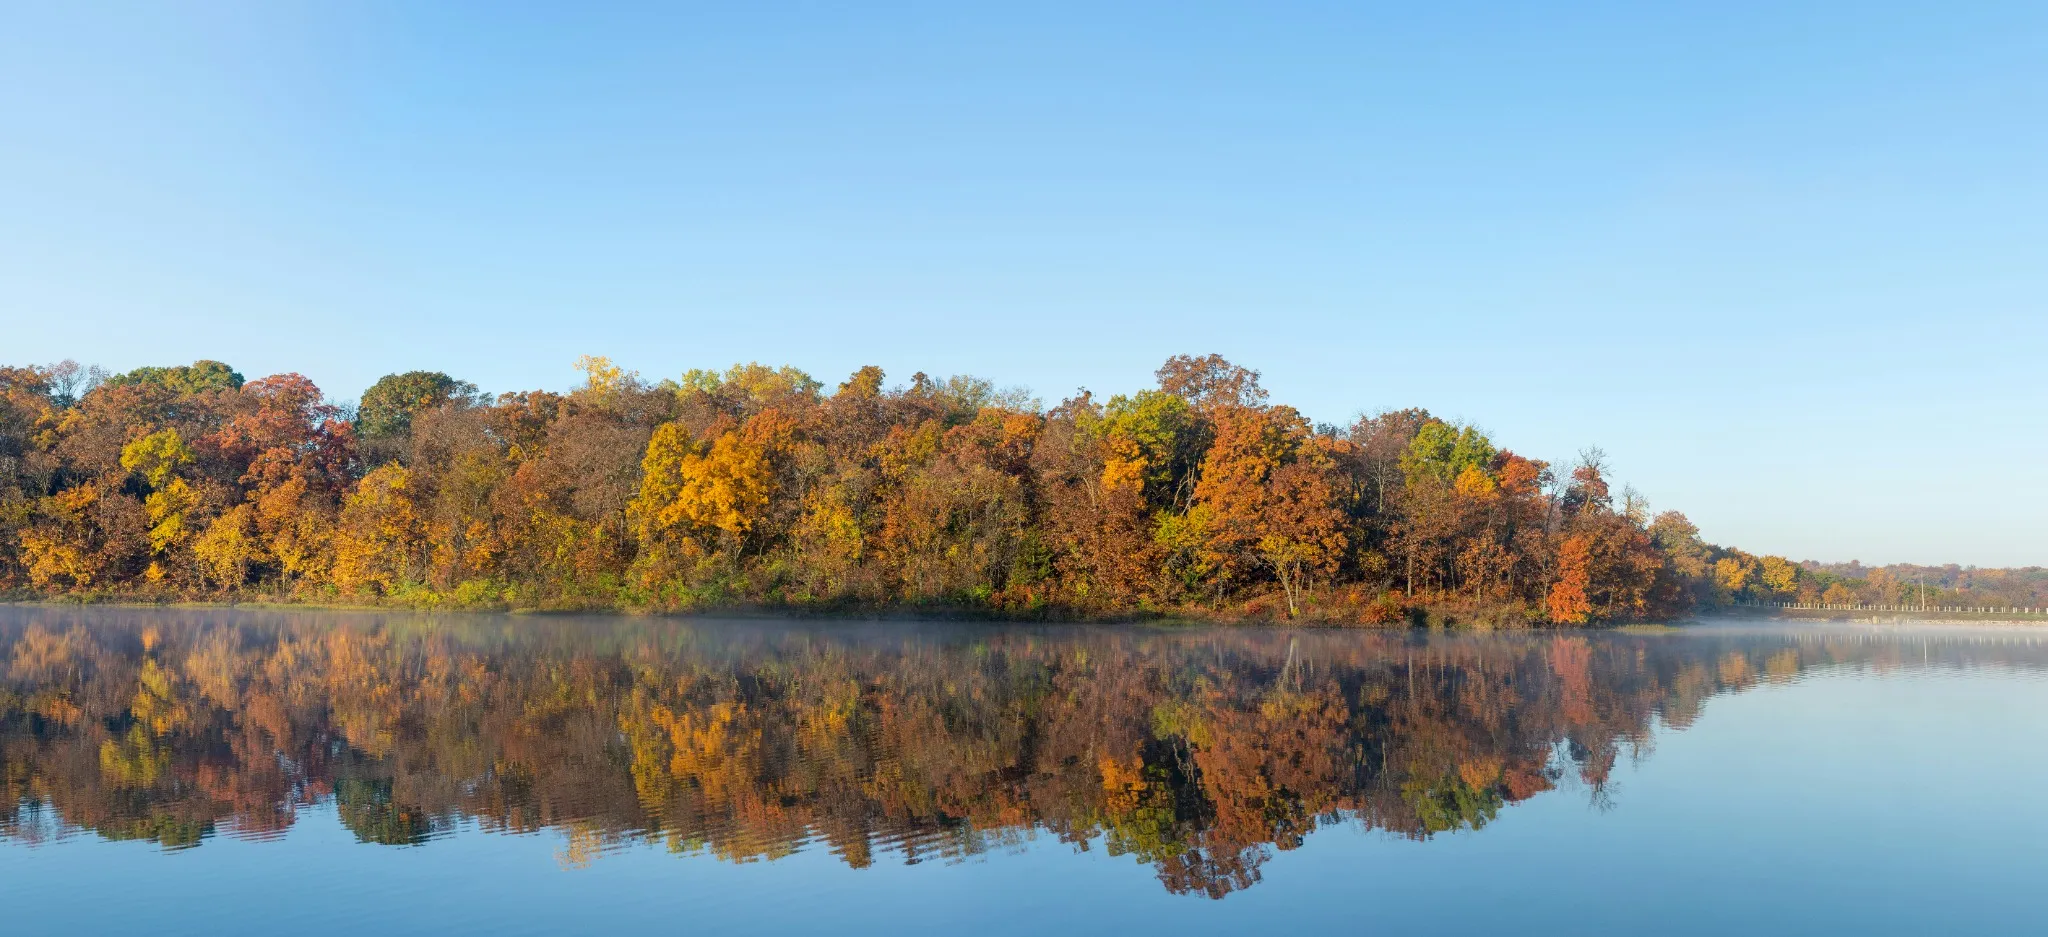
<point>1783,262</point>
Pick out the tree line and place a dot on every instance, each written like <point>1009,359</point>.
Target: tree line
<point>756,486</point>
<point>1912,586</point>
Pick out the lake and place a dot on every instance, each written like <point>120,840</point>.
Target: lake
<point>242,772</point>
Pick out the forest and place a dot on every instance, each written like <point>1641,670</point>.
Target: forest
<point>1199,753</point>
<point>758,488</point>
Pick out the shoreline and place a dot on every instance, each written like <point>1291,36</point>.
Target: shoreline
<point>1821,616</point>
<point>1421,617</point>
<point>1415,617</point>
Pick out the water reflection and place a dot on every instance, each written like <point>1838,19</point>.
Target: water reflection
<point>1198,753</point>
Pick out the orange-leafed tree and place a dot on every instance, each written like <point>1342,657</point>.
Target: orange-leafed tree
<point>1272,498</point>
<point>1568,602</point>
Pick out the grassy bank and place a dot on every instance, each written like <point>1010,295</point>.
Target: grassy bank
<point>1381,612</point>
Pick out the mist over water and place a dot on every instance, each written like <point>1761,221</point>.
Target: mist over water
<point>233,771</point>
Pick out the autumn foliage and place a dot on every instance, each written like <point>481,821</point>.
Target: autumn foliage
<point>758,486</point>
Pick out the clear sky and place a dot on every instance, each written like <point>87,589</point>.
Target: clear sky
<point>1786,263</point>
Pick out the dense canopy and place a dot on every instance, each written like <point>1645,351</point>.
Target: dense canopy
<point>758,486</point>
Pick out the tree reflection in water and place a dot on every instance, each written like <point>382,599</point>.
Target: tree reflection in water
<point>1196,752</point>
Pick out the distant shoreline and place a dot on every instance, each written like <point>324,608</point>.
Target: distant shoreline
<point>1864,617</point>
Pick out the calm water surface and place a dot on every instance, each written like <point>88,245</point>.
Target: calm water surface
<point>207,772</point>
